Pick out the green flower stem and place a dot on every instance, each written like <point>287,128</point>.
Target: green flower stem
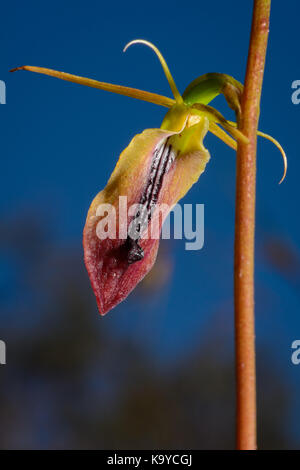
<point>244,231</point>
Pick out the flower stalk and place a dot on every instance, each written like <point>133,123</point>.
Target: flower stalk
<point>245,230</point>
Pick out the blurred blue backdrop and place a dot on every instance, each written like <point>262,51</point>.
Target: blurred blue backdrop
<point>59,144</point>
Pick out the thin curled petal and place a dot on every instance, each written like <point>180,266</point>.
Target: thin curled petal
<point>222,135</point>
<point>277,144</point>
<point>216,116</point>
<point>164,65</point>
<point>283,154</point>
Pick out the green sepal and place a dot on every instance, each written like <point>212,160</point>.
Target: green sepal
<point>206,87</point>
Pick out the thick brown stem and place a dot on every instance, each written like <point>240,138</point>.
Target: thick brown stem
<point>244,232</point>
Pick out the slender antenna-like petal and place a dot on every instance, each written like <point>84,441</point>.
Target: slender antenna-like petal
<point>222,135</point>
<point>283,154</point>
<point>164,65</point>
<point>215,116</point>
<point>277,144</point>
<point>121,90</point>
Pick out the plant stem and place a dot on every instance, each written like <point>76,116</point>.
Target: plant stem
<point>244,232</point>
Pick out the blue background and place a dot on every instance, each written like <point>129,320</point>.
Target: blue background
<point>59,144</point>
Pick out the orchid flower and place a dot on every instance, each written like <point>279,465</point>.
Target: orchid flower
<point>155,171</point>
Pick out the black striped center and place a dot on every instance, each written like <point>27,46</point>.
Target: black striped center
<point>163,157</point>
